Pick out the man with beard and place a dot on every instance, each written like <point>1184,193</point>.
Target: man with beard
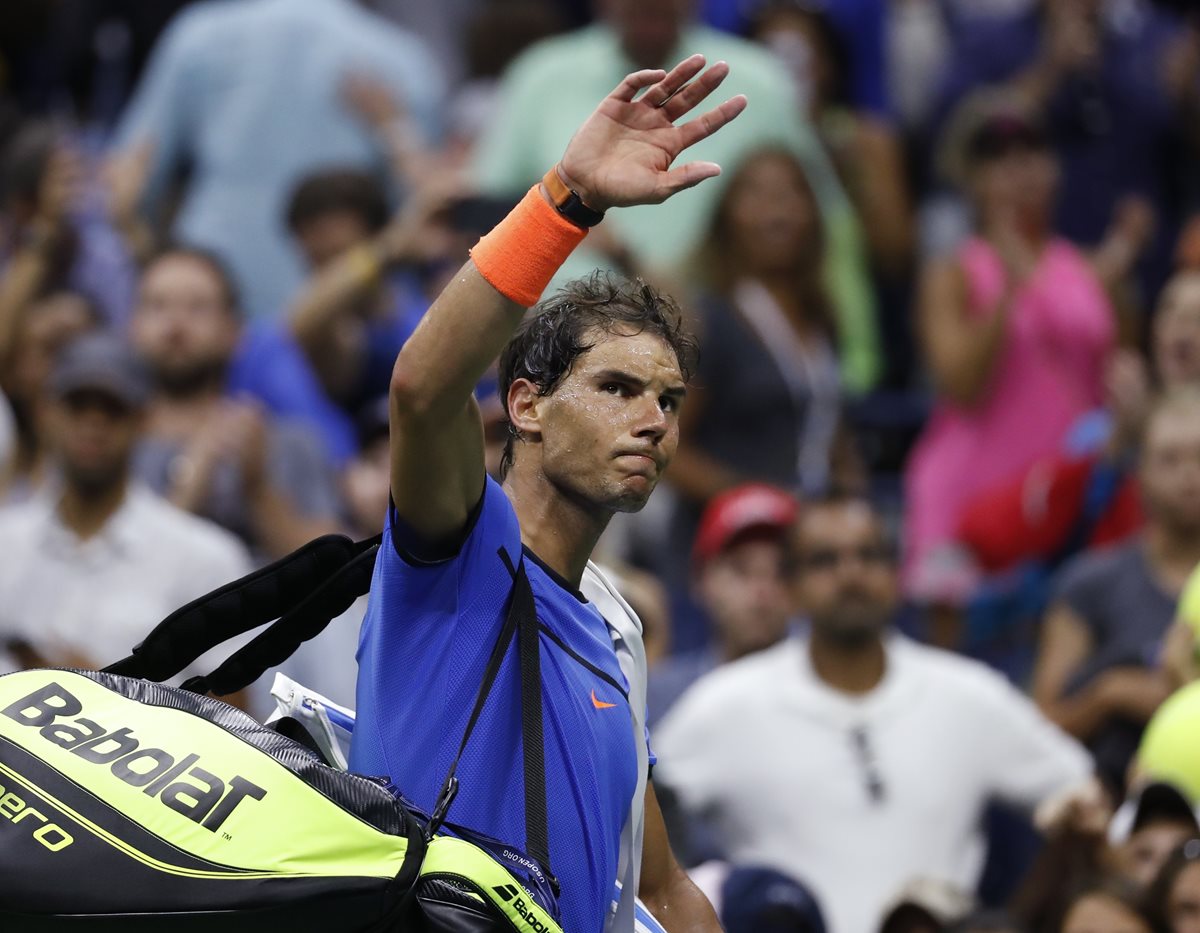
<point>92,567</point>
<point>853,758</point>
<point>210,454</point>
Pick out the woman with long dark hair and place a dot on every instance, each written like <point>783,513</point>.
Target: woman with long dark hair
<point>766,401</point>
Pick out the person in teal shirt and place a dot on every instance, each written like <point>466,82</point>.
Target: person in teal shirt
<point>552,87</point>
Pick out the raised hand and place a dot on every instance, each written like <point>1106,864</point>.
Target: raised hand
<point>622,154</point>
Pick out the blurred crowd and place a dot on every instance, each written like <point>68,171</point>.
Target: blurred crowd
<point>912,588</point>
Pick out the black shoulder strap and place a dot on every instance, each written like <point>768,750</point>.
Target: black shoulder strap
<point>304,591</point>
<point>537,833</point>
<point>520,621</point>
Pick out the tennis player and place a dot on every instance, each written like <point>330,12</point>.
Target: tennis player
<point>593,382</point>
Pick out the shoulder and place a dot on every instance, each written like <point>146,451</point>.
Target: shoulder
<point>732,685</point>
<point>389,43</point>
<point>603,590</point>
<point>1098,570</point>
<point>199,23</point>
<point>166,526</point>
<point>23,516</point>
<point>491,526</point>
<point>23,528</point>
<point>954,677</point>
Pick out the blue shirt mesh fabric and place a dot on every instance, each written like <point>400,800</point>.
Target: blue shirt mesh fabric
<point>425,641</point>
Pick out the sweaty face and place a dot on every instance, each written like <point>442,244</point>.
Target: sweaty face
<point>846,582</point>
<point>745,593</point>
<point>1183,901</point>
<point>771,216</point>
<point>1170,468</point>
<point>1177,331</point>
<point>324,238</point>
<point>94,434</point>
<point>605,435</point>
<point>1143,853</point>
<point>182,324</point>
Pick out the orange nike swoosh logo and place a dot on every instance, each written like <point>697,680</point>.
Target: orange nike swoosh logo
<point>600,704</point>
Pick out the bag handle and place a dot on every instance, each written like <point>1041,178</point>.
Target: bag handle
<point>520,621</point>
<point>303,591</point>
<point>281,640</point>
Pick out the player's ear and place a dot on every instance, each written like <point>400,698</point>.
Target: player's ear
<point>523,398</point>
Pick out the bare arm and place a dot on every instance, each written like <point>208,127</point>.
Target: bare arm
<point>622,155</point>
<point>353,277</point>
<point>881,195</point>
<point>959,349</point>
<point>1131,692</point>
<point>665,888</point>
<point>1115,257</point>
<point>1065,644</point>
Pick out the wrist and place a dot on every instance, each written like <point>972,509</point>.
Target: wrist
<point>573,200</point>
<point>525,250</point>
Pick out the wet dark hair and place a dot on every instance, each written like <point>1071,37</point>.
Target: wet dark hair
<point>335,191</point>
<point>216,265</point>
<point>549,342</point>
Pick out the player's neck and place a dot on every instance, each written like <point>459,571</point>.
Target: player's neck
<point>560,531</point>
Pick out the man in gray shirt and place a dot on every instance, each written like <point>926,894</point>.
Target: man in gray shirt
<point>216,456</point>
<point>1098,673</point>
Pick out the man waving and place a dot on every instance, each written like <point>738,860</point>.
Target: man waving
<point>593,382</point>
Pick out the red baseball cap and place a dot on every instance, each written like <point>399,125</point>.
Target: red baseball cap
<point>733,513</point>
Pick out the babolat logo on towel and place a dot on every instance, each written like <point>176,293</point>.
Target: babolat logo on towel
<point>177,781</point>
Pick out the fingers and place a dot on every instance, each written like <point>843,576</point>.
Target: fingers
<point>692,94</point>
<point>686,176</point>
<point>627,90</point>
<point>680,75</point>
<point>705,125</point>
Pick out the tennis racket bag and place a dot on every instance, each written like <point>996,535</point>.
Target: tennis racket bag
<point>128,805</point>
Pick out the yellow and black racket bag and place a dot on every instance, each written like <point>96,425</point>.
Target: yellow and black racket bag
<point>127,805</point>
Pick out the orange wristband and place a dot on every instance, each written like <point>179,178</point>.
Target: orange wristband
<point>521,254</point>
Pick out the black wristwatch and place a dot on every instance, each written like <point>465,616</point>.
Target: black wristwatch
<point>568,203</point>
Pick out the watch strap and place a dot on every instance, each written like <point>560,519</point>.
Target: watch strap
<point>568,202</point>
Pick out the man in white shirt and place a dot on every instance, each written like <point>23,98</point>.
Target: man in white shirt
<point>91,567</point>
<point>854,759</point>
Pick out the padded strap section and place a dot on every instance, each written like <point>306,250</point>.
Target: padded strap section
<point>244,604</point>
<point>272,647</point>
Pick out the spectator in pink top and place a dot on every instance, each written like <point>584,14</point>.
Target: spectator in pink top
<point>1015,330</point>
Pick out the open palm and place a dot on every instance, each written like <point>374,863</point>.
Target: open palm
<point>622,154</point>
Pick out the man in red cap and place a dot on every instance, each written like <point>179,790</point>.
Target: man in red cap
<point>740,561</point>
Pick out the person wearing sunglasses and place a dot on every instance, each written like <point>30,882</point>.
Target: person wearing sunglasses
<point>851,757</point>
